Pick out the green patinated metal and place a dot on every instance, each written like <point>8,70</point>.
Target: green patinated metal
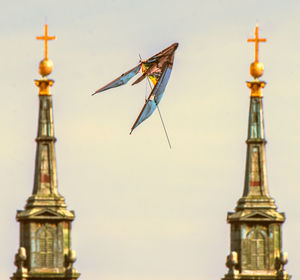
<point>45,223</point>
<point>255,249</point>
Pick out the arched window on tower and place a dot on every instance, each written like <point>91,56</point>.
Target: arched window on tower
<point>256,247</point>
<point>47,246</point>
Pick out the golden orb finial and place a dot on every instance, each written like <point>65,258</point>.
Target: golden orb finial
<point>45,67</point>
<point>256,69</point>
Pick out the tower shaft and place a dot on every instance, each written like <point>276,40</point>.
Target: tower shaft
<point>256,194</point>
<point>45,189</point>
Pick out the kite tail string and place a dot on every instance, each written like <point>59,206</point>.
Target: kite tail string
<point>162,121</point>
<point>146,90</point>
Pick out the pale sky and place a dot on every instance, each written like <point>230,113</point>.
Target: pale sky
<point>144,211</point>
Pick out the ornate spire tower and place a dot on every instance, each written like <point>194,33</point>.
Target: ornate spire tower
<point>255,251</point>
<point>45,223</point>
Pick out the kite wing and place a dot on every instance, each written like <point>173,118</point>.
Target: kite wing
<point>122,80</point>
<point>158,69</point>
<point>153,99</point>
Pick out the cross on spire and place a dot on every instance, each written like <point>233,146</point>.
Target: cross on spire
<point>256,40</point>
<point>46,38</point>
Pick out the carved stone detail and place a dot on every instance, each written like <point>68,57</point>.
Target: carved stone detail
<point>70,259</point>
<point>232,264</point>
<point>20,259</point>
<point>280,263</point>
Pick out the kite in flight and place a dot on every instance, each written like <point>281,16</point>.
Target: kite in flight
<point>158,70</point>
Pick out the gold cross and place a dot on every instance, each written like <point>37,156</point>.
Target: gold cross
<point>256,40</point>
<point>46,38</point>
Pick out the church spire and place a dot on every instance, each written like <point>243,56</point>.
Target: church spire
<point>256,193</point>
<point>45,189</point>
<point>255,249</point>
<point>45,224</point>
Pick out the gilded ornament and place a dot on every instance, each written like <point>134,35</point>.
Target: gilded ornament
<point>256,69</point>
<point>45,67</point>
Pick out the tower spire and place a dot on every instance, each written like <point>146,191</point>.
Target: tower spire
<point>45,224</point>
<point>255,188</point>
<point>255,251</point>
<point>45,189</point>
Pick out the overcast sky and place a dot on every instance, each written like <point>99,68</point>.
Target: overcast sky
<point>144,211</point>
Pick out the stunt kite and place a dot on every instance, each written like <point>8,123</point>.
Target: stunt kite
<point>157,69</point>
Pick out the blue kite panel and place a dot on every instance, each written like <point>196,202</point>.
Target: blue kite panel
<point>154,98</point>
<point>122,80</point>
<point>159,90</point>
<point>147,111</point>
